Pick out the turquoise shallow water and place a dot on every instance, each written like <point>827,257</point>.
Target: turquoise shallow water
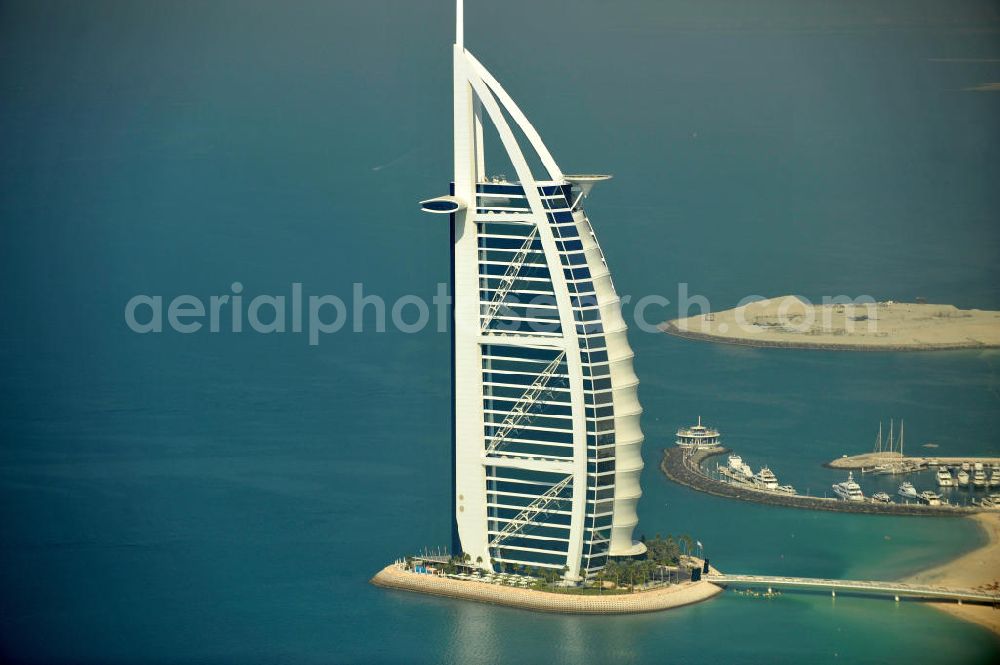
<point>224,497</point>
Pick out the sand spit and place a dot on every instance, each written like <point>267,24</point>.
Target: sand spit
<point>788,322</point>
<point>978,569</point>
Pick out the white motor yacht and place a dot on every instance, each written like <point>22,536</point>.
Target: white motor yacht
<point>978,475</point>
<point>944,478</point>
<point>765,479</point>
<point>849,490</point>
<point>930,498</point>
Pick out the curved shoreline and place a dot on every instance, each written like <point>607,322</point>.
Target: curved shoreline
<point>973,569</point>
<point>688,473</point>
<point>394,577</point>
<point>671,328</point>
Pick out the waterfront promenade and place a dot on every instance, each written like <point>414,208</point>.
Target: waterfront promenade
<point>394,576</point>
<point>684,467</point>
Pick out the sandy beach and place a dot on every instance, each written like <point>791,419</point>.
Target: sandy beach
<point>977,569</point>
<point>789,322</point>
<point>394,577</point>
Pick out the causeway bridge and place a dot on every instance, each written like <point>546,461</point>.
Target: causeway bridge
<point>896,589</point>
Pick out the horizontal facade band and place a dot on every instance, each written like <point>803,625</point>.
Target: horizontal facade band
<point>534,341</point>
<point>529,465</point>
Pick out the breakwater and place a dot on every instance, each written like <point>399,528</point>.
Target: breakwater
<point>685,469</point>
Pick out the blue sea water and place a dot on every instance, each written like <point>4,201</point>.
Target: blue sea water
<point>224,497</point>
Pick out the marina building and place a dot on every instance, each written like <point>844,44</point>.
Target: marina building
<point>698,436</point>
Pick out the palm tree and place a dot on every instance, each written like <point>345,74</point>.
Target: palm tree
<point>479,561</point>
<point>610,570</point>
<point>535,573</point>
<point>688,543</point>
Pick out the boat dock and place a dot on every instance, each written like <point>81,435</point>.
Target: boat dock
<point>684,467</point>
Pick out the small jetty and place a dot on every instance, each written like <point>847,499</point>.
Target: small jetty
<point>685,468</point>
<point>888,457</point>
<point>869,461</point>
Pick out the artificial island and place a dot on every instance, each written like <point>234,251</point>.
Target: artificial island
<point>790,322</point>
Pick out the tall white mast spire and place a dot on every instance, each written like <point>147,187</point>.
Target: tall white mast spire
<point>459,25</point>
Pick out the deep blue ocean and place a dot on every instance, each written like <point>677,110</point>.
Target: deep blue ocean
<point>224,497</point>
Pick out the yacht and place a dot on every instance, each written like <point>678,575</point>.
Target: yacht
<point>737,470</point>
<point>849,490</point>
<point>963,478</point>
<point>978,475</point>
<point>994,477</point>
<point>944,478</point>
<point>907,490</point>
<point>765,479</point>
<point>698,436</point>
<point>930,498</point>
<point>881,497</point>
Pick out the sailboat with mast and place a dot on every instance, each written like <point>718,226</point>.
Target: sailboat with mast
<point>896,462</point>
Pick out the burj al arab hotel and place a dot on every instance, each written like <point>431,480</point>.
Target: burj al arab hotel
<point>546,436</point>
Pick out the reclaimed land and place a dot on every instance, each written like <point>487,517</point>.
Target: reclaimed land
<point>394,576</point>
<point>688,472</point>
<point>787,322</point>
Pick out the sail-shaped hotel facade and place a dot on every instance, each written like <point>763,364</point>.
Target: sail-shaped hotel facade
<point>546,435</point>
